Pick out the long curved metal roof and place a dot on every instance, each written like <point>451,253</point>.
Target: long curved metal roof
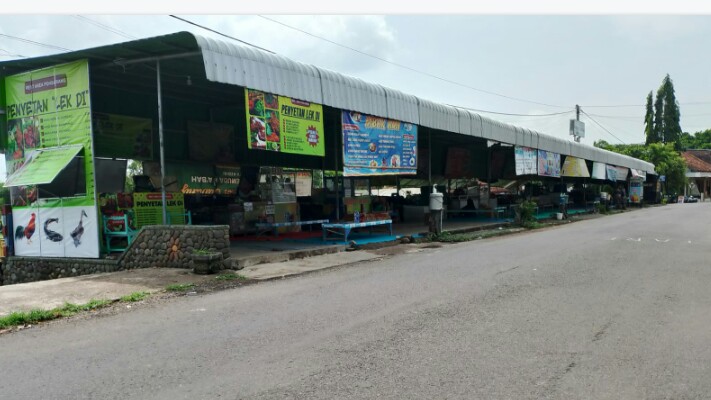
<point>234,64</point>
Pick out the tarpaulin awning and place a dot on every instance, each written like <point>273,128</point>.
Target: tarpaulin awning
<point>43,165</point>
<point>575,167</point>
<point>638,174</point>
<point>599,170</point>
<point>622,173</point>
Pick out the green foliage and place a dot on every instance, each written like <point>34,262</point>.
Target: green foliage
<point>666,127</point>
<point>699,140</point>
<point>667,161</point>
<point>202,251</point>
<point>134,168</point>
<point>528,212</point>
<point>179,287</point>
<point>4,195</point>
<point>231,277</point>
<point>649,131</point>
<point>39,315</point>
<point>135,296</point>
<point>602,208</point>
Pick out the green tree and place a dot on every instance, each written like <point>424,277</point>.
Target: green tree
<point>666,125</point>
<point>134,168</point>
<point>667,161</point>
<point>649,132</point>
<point>671,115</point>
<point>659,117</point>
<point>698,140</point>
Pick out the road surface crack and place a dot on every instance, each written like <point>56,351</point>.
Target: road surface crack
<point>599,334</point>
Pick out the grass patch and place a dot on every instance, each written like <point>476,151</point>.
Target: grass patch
<point>38,315</point>
<point>231,277</point>
<point>532,225</point>
<point>135,296</point>
<point>179,287</point>
<point>447,237</point>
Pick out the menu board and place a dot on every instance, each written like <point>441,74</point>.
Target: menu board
<point>378,146</point>
<point>284,124</point>
<point>148,208</point>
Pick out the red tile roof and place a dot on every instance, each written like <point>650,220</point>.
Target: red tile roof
<point>697,160</point>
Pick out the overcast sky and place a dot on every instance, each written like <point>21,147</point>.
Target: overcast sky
<point>556,60</point>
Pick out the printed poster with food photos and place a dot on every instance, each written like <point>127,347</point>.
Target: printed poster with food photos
<point>284,124</point>
<point>378,146</point>
<point>45,109</point>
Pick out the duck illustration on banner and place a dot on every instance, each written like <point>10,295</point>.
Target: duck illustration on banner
<point>79,230</point>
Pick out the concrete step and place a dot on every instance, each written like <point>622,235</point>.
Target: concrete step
<point>239,262</point>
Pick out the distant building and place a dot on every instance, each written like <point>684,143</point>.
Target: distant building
<point>698,170</point>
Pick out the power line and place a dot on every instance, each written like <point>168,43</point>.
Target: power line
<point>642,119</point>
<point>8,54</point>
<point>219,33</point>
<point>408,68</point>
<point>513,114</point>
<point>34,42</point>
<point>644,105</point>
<point>603,128</point>
<point>105,27</point>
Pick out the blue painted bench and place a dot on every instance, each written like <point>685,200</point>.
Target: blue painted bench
<point>344,229</point>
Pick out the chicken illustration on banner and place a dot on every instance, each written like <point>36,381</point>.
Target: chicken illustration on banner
<point>27,231</point>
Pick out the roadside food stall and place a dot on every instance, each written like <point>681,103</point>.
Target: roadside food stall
<point>223,135</point>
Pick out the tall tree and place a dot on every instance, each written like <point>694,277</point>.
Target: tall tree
<point>659,116</point>
<point>649,131</point>
<point>671,115</point>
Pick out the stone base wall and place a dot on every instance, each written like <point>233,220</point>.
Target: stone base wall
<point>30,269</point>
<point>154,246</point>
<point>171,246</point>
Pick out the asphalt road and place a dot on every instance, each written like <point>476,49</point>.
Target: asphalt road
<point>612,308</point>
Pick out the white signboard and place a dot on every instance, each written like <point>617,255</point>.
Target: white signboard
<point>577,128</point>
<point>526,160</point>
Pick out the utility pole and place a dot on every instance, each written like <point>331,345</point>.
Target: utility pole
<point>577,118</point>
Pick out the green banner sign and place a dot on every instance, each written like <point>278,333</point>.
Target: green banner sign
<point>205,179</point>
<point>122,136</point>
<point>50,110</point>
<point>49,107</point>
<point>283,124</point>
<point>148,208</point>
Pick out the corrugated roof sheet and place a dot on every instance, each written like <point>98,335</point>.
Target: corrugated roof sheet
<point>438,116</point>
<point>233,64</point>
<point>401,106</point>
<point>256,69</point>
<point>349,93</point>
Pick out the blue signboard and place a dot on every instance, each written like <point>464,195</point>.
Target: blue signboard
<point>378,146</point>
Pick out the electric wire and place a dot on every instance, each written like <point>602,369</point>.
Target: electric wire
<point>219,33</point>
<point>513,114</point>
<point>409,68</point>
<point>9,54</point>
<point>643,105</point>
<point>105,27</point>
<point>50,46</point>
<point>603,128</point>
